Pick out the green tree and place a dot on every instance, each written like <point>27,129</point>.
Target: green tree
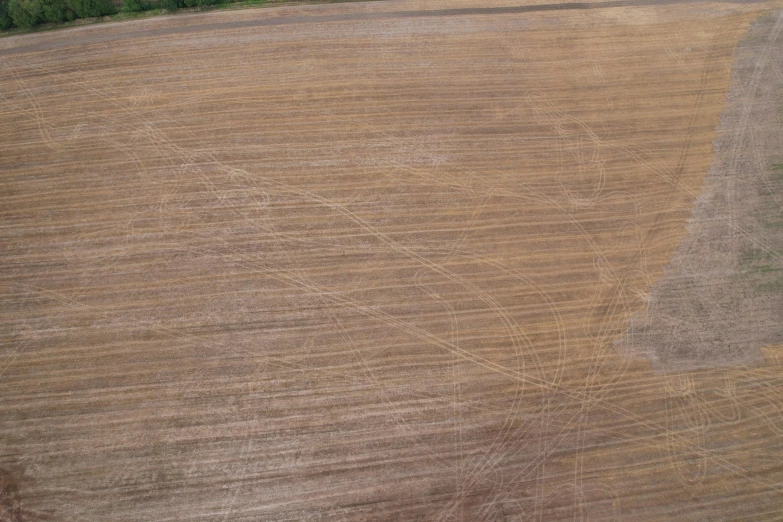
<point>55,11</point>
<point>132,5</point>
<point>25,13</point>
<point>171,5</point>
<point>5,18</point>
<point>90,8</point>
<point>192,3</point>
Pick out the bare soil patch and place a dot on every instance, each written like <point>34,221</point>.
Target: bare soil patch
<point>721,298</point>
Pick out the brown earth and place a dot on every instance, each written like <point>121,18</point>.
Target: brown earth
<point>365,267</point>
<point>721,300</point>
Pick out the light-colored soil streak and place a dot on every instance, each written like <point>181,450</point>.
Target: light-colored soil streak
<point>721,300</point>
<point>365,268</point>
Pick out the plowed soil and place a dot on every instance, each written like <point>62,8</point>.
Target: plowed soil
<point>721,300</point>
<point>347,263</point>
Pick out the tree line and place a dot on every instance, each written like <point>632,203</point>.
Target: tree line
<point>28,13</point>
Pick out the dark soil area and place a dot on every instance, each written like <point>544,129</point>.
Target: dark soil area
<point>721,298</point>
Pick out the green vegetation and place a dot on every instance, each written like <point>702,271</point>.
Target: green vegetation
<point>777,171</point>
<point>5,17</point>
<point>35,15</point>
<point>29,13</point>
<point>132,6</point>
<point>765,266</point>
<point>774,218</point>
<point>774,286</point>
<point>751,258</point>
<point>26,14</point>
<point>90,8</point>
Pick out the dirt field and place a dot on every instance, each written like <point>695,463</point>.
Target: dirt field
<point>721,301</point>
<point>371,262</point>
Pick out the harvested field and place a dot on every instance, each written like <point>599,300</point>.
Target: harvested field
<point>371,262</point>
<point>721,300</point>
